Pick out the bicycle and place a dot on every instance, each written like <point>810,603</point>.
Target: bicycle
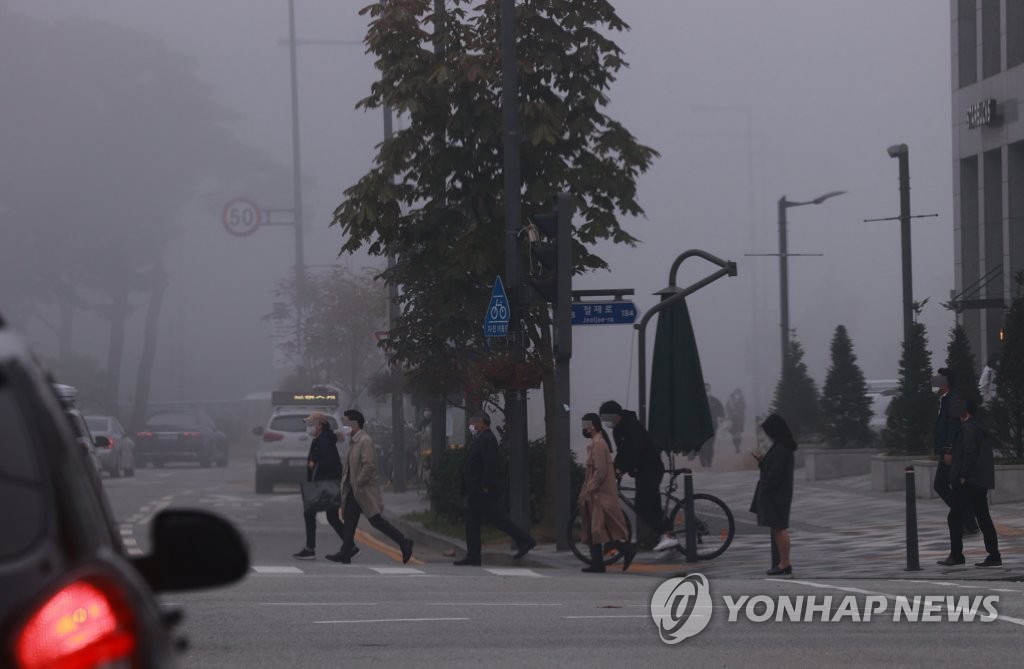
<point>714,523</point>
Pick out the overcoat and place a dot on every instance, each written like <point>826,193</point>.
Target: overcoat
<point>361,477</point>
<point>775,488</point>
<point>600,512</point>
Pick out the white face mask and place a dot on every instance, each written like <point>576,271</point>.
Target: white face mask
<point>345,429</point>
<point>311,431</point>
<point>472,430</point>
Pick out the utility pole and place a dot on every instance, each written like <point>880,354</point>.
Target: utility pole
<point>901,152</point>
<point>300,262</point>
<point>515,400</point>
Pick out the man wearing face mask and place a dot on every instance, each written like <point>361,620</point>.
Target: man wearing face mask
<point>480,494</point>
<point>322,464</point>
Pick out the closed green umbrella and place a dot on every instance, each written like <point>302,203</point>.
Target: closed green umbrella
<point>679,420</point>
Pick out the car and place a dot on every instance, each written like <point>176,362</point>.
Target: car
<point>114,448</point>
<point>284,444</point>
<point>181,435</point>
<point>72,597</point>
<point>68,397</point>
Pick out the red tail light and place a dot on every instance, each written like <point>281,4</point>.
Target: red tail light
<point>144,435</point>
<point>110,441</point>
<point>272,436</point>
<point>191,435</point>
<point>78,628</point>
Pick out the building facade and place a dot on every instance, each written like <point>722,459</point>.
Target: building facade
<point>988,164</point>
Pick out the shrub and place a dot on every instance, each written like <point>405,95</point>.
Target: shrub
<point>845,406</point>
<point>909,427</point>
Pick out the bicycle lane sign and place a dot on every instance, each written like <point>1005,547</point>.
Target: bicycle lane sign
<point>498,312</point>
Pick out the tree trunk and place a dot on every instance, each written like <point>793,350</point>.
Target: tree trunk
<point>146,358</point>
<point>547,524</point>
<point>65,331</point>
<point>115,352</point>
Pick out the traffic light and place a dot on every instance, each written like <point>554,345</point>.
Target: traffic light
<point>551,252</point>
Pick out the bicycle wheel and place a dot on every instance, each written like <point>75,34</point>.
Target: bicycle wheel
<point>715,525</point>
<point>580,548</point>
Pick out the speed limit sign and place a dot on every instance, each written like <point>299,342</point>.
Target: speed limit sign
<point>240,217</point>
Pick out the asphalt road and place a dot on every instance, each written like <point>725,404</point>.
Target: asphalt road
<point>543,613</point>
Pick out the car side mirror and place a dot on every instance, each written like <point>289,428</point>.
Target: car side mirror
<point>101,442</point>
<point>193,550</point>
<point>258,431</point>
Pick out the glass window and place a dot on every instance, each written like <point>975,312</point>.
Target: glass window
<point>172,420</point>
<point>97,423</point>
<point>967,41</point>
<point>295,423</point>
<point>991,39</point>
<point>1014,33</point>
<point>20,479</point>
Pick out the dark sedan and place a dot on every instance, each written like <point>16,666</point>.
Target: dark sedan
<point>181,436</point>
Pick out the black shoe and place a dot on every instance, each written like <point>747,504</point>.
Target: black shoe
<point>305,554</point>
<point>594,570</point>
<point>952,561</point>
<point>524,549</point>
<point>628,553</point>
<point>780,571</point>
<point>467,562</point>
<point>406,550</point>
<point>990,562</point>
<point>341,557</point>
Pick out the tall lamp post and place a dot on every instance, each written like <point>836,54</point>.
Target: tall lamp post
<point>785,204</point>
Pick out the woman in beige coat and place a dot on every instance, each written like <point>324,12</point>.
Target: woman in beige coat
<point>600,513</point>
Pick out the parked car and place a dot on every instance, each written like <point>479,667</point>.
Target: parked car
<point>284,444</point>
<point>114,448</point>
<point>68,397</point>
<point>71,595</point>
<point>181,435</point>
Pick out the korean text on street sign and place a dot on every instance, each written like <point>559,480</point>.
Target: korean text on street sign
<point>498,312</point>
<point>603,313</point>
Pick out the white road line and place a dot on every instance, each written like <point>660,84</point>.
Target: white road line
<point>493,604</point>
<point>319,603</point>
<point>616,617</point>
<point>826,586</point>
<point>512,571</point>
<point>157,508</point>
<point>133,551</point>
<point>276,570</point>
<point>397,571</point>
<point>388,620</point>
<point>129,541</point>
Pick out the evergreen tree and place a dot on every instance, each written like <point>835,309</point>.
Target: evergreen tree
<point>845,406</point>
<point>796,394</point>
<point>908,429</point>
<point>1008,406</point>
<point>960,360</point>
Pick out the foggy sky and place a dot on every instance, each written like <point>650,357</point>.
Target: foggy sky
<point>826,84</point>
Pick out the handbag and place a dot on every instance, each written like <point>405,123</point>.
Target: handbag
<point>753,502</point>
<point>320,495</point>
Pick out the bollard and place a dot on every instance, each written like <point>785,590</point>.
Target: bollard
<point>913,560</point>
<point>689,516</point>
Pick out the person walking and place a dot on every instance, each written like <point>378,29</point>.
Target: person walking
<point>972,474</point>
<point>736,411</point>
<point>361,494</point>
<point>600,513</point>
<point>946,429</point>
<point>479,489</point>
<point>636,455</point>
<point>707,450</point>
<point>987,381</point>
<point>773,496</point>
<point>322,464</point>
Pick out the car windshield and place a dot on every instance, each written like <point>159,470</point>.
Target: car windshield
<point>97,423</point>
<point>172,420</point>
<point>295,423</point>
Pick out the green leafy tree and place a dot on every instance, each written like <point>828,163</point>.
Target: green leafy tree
<point>960,360</point>
<point>796,395</point>
<point>908,428</point>
<point>845,406</point>
<point>1008,405</point>
<point>433,197</point>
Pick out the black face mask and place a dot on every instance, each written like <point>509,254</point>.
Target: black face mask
<point>586,432</point>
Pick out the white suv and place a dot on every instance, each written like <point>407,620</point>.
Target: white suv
<point>284,446</point>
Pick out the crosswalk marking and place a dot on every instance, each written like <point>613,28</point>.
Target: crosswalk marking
<point>397,571</point>
<point>512,571</point>
<point>276,570</point>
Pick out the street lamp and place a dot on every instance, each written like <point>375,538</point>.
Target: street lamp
<point>785,204</point>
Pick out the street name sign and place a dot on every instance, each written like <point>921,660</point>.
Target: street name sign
<point>603,313</point>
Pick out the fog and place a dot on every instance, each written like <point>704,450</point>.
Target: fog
<point>746,101</point>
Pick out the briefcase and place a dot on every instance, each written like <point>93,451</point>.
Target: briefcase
<point>320,495</point>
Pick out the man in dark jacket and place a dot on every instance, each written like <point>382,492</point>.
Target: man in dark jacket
<point>972,473</point>
<point>322,464</point>
<point>636,455</point>
<point>479,489</point>
<point>946,428</point>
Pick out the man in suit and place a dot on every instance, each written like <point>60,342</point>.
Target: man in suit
<point>946,428</point>
<point>361,494</point>
<point>479,490</point>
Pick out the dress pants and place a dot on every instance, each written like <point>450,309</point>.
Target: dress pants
<point>351,515</point>
<point>332,519</point>
<point>483,506</point>
<point>971,497</point>
<point>648,503</point>
<point>945,491</point>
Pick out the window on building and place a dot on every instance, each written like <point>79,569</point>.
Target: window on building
<point>1015,214</point>
<point>1014,33</point>
<point>991,39</point>
<point>993,226</point>
<point>967,41</point>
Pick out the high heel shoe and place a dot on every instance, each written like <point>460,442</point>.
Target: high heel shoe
<point>781,571</point>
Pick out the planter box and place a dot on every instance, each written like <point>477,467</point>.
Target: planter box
<point>1009,484</point>
<point>888,472</point>
<point>833,463</point>
<point>924,478</point>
